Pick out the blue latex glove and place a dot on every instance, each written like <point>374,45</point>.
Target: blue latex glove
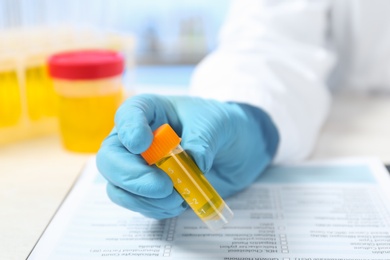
<point>231,143</point>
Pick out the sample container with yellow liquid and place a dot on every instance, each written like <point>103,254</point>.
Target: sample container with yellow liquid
<point>167,154</point>
<point>10,96</point>
<point>40,96</point>
<point>90,90</point>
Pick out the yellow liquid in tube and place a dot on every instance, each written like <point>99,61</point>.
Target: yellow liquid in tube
<point>86,121</point>
<point>10,104</point>
<point>191,184</point>
<point>41,98</point>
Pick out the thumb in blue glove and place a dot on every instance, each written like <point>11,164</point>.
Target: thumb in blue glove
<point>231,143</point>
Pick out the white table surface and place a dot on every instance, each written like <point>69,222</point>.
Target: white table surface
<point>35,175</point>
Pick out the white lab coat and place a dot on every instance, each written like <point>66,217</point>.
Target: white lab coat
<point>284,56</point>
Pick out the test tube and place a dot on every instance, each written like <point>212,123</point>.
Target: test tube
<point>188,180</point>
<point>40,95</point>
<point>10,98</point>
<point>41,98</point>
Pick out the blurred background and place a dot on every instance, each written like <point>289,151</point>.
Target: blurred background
<point>166,31</point>
<point>161,42</point>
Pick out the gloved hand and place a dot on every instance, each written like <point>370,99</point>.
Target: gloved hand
<point>231,143</point>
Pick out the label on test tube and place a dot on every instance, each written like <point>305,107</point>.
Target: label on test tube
<point>191,184</point>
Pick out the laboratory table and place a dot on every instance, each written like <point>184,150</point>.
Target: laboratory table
<point>35,175</point>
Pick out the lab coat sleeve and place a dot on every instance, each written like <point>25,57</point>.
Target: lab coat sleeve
<point>273,55</point>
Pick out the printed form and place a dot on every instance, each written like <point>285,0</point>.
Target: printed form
<point>318,211</point>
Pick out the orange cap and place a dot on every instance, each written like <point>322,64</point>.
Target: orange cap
<point>165,140</point>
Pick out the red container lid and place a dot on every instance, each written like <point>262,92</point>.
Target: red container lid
<point>86,64</point>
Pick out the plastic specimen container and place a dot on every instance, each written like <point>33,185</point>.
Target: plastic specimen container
<point>90,90</point>
<point>188,180</point>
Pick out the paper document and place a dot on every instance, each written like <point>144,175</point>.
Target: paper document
<point>318,211</point>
